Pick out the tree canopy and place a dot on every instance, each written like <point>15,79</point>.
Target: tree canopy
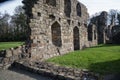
<point>14,28</point>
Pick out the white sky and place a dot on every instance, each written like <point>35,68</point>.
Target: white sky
<point>92,5</point>
<point>101,5</point>
<point>9,6</point>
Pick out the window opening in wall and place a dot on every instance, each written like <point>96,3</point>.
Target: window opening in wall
<point>56,34</point>
<point>59,19</point>
<point>67,7</point>
<point>95,35</point>
<point>76,38</point>
<point>78,23</point>
<point>69,21</point>
<point>39,14</point>
<point>90,33</point>
<point>52,17</point>
<point>51,2</point>
<point>78,9</point>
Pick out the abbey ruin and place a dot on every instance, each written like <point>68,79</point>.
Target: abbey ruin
<point>60,26</point>
<point>57,27</point>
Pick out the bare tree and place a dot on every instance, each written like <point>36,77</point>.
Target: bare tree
<point>113,16</point>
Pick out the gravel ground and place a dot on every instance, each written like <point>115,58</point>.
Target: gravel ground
<point>15,74</point>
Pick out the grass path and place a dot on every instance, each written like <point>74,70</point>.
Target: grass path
<point>102,59</point>
<point>7,45</point>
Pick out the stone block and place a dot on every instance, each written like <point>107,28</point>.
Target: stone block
<point>9,53</point>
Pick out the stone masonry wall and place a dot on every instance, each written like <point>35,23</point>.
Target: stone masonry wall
<point>53,25</point>
<point>9,56</point>
<point>100,21</point>
<point>92,35</point>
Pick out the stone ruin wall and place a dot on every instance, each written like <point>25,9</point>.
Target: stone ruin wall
<point>9,56</point>
<point>57,27</point>
<point>92,35</point>
<point>97,27</point>
<point>113,32</point>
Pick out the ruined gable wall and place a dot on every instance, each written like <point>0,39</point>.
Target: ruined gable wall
<point>52,30</point>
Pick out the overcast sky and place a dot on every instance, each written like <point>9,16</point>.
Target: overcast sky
<point>9,6</point>
<point>101,5</point>
<point>92,5</point>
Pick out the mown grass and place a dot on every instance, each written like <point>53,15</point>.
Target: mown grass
<point>104,59</point>
<point>7,45</point>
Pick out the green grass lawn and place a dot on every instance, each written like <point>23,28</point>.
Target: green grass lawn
<point>7,45</point>
<point>104,59</point>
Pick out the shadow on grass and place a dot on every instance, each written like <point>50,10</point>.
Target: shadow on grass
<point>110,67</point>
<point>105,45</point>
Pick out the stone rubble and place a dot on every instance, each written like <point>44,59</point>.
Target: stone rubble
<point>55,71</point>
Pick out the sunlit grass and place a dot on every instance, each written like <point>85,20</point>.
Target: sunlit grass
<point>7,45</point>
<point>102,59</point>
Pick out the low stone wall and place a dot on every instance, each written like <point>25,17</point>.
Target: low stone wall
<point>56,72</point>
<point>7,57</point>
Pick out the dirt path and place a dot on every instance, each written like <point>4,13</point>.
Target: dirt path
<point>20,75</point>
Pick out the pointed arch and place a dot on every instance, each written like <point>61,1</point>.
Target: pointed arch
<point>90,32</point>
<point>76,38</point>
<point>78,9</point>
<point>67,7</point>
<point>56,34</point>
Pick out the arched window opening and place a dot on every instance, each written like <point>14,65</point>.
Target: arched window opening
<point>76,38</point>
<point>67,7</point>
<point>78,9</point>
<point>90,33</point>
<point>56,34</point>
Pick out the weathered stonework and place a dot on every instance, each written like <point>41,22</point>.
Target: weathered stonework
<point>57,72</point>
<point>9,56</point>
<point>100,22</point>
<point>57,27</point>
<point>105,33</point>
<point>92,35</point>
<point>113,32</point>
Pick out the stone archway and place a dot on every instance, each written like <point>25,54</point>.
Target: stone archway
<point>76,39</point>
<point>56,34</point>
